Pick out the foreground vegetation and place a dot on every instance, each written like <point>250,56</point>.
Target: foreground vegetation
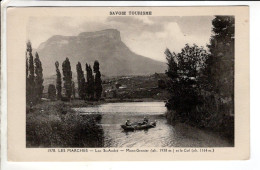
<point>55,124</point>
<point>202,81</point>
<point>52,122</point>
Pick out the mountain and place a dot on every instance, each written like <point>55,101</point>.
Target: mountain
<point>114,56</point>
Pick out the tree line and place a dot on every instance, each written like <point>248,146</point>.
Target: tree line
<point>201,82</point>
<point>88,89</point>
<point>91,87</point>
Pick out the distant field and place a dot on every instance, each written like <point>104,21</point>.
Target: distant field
<point>126,87</point>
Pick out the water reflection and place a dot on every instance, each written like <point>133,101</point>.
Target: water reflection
<point>163,135</point>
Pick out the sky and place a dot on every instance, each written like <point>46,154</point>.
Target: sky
<point>145,35</point>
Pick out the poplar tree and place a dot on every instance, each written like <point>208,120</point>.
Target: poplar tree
<point>90,82</point>
<point>81,81</point>
<point>27,69</point>
<point>38,77</point>
<point>51,92</point>
<point>67,78</point>
<point>27,80</point>
<point>73,89</point>
<point>98,81</point>
<point>31,84</point>
<point>58,80</point>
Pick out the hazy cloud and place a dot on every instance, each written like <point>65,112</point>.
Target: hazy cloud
<point>147,36</point>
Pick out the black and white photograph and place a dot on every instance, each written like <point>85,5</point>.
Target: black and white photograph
<point>133,81</point>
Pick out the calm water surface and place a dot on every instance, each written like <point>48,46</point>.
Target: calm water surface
<point>163,135</point>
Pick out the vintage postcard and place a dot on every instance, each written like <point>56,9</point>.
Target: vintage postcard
<point>128,83</point>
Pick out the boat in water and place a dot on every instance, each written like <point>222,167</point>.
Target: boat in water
<point>138,126</point>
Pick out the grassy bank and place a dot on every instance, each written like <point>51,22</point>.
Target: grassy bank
<point>55,124</point>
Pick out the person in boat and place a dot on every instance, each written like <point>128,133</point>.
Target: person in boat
<point>128,123</point>
<point>145,121</point>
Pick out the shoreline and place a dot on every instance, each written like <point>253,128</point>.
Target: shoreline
<point>57,117</point>
<point>83,103</point>
<point>222,132</point>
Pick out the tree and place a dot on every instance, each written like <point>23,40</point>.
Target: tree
<point>58,80</point>
<point>219,74</point>
<point>172,64</point>
<point>51,92</point>
<point>161,84</point>
<point>184,71</point>
<point>81,81</point>
<point>31,84</point>
<point>67,78</point>
<point>27,79</point>
<point>38,77</point>
<point>27,69</point>
<point>90,83</point>
<point>73,89</point>
<point>98,81</point>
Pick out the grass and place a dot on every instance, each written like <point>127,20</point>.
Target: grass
<point>55,124</point>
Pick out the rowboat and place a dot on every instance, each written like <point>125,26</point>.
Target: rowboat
<point>139,126</point>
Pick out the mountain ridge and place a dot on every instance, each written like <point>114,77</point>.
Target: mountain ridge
<point>106,46</point>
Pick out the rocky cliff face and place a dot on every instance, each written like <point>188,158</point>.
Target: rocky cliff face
<point>114,56</point>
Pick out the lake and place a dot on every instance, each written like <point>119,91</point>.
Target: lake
<point>163,135</point>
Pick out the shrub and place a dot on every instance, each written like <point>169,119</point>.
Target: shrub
<point>46,126</point>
